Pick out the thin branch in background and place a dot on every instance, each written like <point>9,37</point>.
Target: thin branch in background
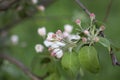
<point>6,4</point>
<point>83,7</point>
<point>108,11</point>
<point>21,66</point>
<point>114,58</point>
<point>46,3</point>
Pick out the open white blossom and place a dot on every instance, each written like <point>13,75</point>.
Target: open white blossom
<point>41,7</point>
<point>59,54</point>
<point>68,28</point>
<point>14,39</point>
<point>39,48</point>
<point>34,1</point>
<point>73,37</point>
<point>49,36</point>
<point>47,43</point>
<point>56,42</point>
<point>42,31</point>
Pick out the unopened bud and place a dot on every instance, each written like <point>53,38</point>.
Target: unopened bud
<point>102,28</point>
<point>86,32</point>
<point>53,54</point>
<point>96,39</point>
<point>58,32</point>
<point>50,49</point>
<point>78,21</point>
<point>92,16</point>
<point>54,35</point>
<point>42,31</point>
<point>84,39</point>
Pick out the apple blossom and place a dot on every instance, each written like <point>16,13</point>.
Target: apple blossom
<point>14,39</point>
<point>41,7</point>
<point>42,31</point>
<point>68,28</point>
<point>39,48</point>
<point>34,1</point>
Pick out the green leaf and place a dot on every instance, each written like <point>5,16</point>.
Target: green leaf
<point>88,59</point>
<point>104,42</point>
<point>53,76</point>
<point>70,62</point>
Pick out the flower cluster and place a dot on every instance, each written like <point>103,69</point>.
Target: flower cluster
<point>57,42</point>
<point>89,35</point>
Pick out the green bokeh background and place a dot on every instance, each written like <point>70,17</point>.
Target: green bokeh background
<point>55,17</point>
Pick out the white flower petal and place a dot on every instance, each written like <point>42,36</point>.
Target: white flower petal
<point>48,43</point>
<point>68,28</point>
<point>49,36</point>
<point>35,1</point>
<point>65,34</point>
<point>41,8</point>
<point>54,46</point>
<point>59,54</point>
<point>56,50</point>
<point>76,37</point>
<point>60,43</point>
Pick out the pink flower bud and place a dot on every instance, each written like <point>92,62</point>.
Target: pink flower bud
<point>53,54</point>
<point>50,49</point>
<point>102,28</point>
<point>96,39</point>
<point>59,32</point>
<point>92,16</point>
<point>86,32</point>
<point>54,35</point>
<point>78,21</point>
<point>84,39</point>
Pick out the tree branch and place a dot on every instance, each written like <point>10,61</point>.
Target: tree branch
<point>83,7</point>
<point>6,4</point>
<point>20,65</point>
<point>114,58</point>
<point>108,11</point>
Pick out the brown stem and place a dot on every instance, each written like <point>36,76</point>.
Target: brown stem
<point>114,58</point>
<point>20,65</point>
<point>108,11</point>
<point>83,7</point>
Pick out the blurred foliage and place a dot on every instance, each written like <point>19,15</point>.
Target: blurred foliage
<point>54,17</point>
